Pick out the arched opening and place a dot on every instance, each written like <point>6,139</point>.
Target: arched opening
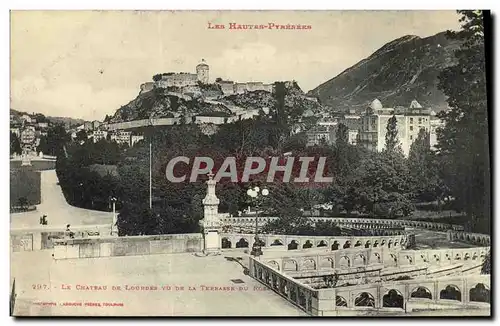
<point>358,243</point>
<point>307,245</point>
<point>375,244</point>
<point>274,265</point>
<point>293,245</point>
<point>382,243</point>
<point>309,265</point>
<point>389,245</point>
<point>368,244</point>
<point>479,293</point>
<point>393,299</point>
<point>347,244</point>
<point>451,292</point>
<point>359,260</point>
<point>421,292</point>
<point>226,243</point>
<point>326,263</point>
<point>344,262</point>
<point>242,243</point>
<point>335,245</point>
<point>467,256</point>
<point>340,301</point>
<point>322,243</point>
<point>289,265</point>
<point>277,242</point>
<point>365,299</point>
<point>375,258</point>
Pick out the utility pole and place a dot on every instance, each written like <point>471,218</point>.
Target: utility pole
<point>150,164</point>
<point>150,177</point>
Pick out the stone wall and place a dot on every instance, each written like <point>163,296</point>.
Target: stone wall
<point>42,237</point>
<point>127,246</point>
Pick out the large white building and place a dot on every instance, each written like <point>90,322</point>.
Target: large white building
<point>409,122</point>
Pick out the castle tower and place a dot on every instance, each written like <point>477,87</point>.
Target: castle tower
<point>202,72</point>
<point>211,221</point>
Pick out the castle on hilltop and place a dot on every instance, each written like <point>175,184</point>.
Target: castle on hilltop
<point>188,80</point>
<point>185,79</point>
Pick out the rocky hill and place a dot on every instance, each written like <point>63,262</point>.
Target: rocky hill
<point>400,71</point>
<point>165,103</point>
<point>161,103</point>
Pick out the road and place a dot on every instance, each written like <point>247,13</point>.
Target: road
<point>58,211</point>
<point>67,281</point>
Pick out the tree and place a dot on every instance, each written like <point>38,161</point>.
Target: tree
<point>424,169</point>
<point>22,202</point>
<point>15,145</point>
<point>381,185</point>
<point>342,133</point>
<point>463,143</point>
<point>391,137</point>
<point>57,138</point>
<point>81,136</point>
<point>486,268</point>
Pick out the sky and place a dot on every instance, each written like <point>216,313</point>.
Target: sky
<point>86,64</point>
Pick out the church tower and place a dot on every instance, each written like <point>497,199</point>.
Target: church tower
<point>211,221</point>
<point>202,72</point>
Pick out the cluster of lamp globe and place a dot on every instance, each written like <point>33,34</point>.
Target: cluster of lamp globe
<point>254,193</point>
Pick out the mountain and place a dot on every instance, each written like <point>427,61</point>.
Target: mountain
<point>66,121</point>
<point>397,73</point>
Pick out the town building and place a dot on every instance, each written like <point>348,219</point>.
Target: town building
<point>25,118</point>
<point>96,124</point>
<point>135,139</point>
<point>43,125</point>
<point>28,135</point>
<point>121,137</point>
<point>87,125</point>
<point>98,135</point>
<point>435,124</point>
<point>321,134</point>
<point>410,120</point>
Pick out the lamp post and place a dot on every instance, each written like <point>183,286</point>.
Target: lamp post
<point>255,195</point>
<point>113,224</point>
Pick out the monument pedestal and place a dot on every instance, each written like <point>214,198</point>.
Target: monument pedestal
<point>212,242</point>
<point>211,223</point>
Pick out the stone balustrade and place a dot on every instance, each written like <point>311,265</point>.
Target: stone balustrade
<point>236,240</point>
<point>394,295</point>
<point>361,223</point>
<point>468,237</point>
<point>364,257</point>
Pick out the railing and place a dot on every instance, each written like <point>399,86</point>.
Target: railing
<point>362,222</point>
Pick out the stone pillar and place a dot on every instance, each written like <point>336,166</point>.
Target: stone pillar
<point>211,221</point>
